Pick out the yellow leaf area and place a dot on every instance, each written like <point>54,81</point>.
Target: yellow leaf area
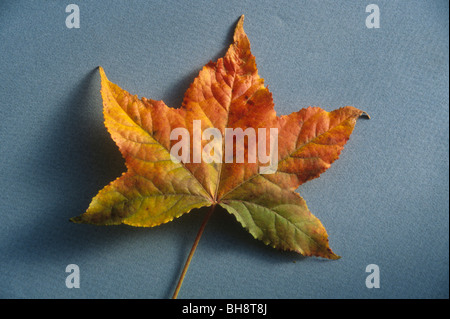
<point>228,93</point>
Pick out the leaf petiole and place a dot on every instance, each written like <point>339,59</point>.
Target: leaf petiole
<point>194,246</point>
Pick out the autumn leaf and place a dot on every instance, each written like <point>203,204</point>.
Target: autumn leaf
<point>227,94</point>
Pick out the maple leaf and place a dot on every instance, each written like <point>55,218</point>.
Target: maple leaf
<point>228,93</point>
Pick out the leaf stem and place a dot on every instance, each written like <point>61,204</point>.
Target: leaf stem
<point>194,246</point>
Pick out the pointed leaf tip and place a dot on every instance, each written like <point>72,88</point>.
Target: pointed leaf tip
<point>239,30</point>
<point>102,72</point>
<point>365,115</point>
<point>76,219</point>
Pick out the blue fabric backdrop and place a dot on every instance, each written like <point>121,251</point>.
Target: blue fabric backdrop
<point>384,202</point>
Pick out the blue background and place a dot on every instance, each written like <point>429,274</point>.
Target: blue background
<point>385,201</point>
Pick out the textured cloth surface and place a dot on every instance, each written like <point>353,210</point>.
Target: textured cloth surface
<point>384,202</point>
